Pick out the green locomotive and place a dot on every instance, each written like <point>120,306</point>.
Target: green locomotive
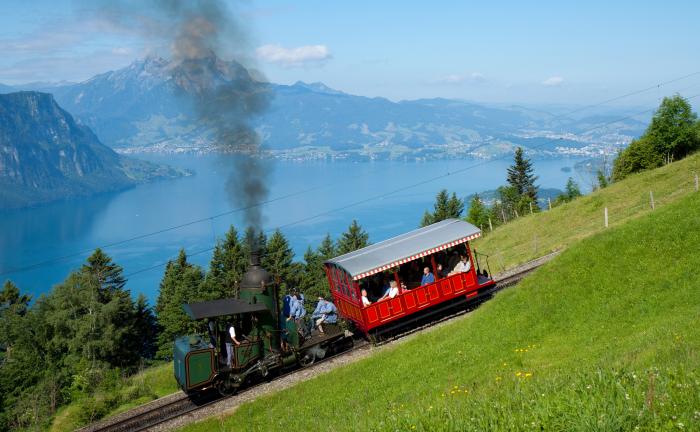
<point>269,342</point>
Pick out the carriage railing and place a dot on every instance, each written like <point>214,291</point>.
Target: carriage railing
<point>477,256</point>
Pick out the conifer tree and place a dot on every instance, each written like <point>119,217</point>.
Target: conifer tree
<point>354,238</point>
<point>180,285</point>
<point>279,261</point>
<point>314,281</point>
<point>145,329</point>
<point>445,207</point>
<point>228,263</point>
<point>478,213</point>
<point>108,275</point>
<point>326,250</point>
<point>572,189</point>
<point>522,179</point>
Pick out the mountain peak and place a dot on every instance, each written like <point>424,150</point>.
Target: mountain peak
<point>317,87</point>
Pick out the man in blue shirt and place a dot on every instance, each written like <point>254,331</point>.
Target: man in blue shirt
<point>427,277</point>
<point>296,308</point>
<point>325,312</point>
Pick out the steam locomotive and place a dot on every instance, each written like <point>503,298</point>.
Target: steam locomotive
<point>272,344</point>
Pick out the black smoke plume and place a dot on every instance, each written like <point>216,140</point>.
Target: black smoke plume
<point>226,96</point>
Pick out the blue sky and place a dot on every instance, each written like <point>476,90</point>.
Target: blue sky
<point>503,52</point>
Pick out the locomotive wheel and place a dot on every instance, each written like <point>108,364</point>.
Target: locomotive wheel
<point>228,385</point>
<point>307,359</point>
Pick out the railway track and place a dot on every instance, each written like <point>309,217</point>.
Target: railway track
<point>146,417</point>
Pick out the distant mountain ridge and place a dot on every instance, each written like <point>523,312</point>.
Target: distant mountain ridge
<point>46,155</point>
<point>141,108</point>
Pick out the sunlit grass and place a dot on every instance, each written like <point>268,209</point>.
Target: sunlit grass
<point>143,387</point>
<point>602,338</point>
<point>530,237</point>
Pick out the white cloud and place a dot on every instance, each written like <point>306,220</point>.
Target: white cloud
<point>121,51</point>
<point>553,81</point>
<point>306,55</point>
<point>461,78</point>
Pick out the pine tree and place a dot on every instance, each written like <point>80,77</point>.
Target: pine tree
<point>279,261</point>
<point>145,329</point>
<point>445,207</point>
<point>354,238</point>
<point>572,189</point>
<point>478,213</point>
<point>10,297</point>
<point>521,177</point>
<point>254,240</point>
<point>326,250</point>
<point>108,275</point>
<point>180,285</point>
<point>228,264</point>
<point>602,179</point>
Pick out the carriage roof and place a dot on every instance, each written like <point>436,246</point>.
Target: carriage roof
<point>406,247</point>
<point>222,307</point>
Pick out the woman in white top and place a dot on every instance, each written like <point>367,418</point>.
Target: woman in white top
<point>391,292</point>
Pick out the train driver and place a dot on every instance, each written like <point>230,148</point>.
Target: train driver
<point>230,340</point>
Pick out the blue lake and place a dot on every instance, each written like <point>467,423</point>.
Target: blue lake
<point>39,236</point>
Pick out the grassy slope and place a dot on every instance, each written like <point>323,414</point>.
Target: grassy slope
<point>515,243</point>
<point>141,388</point>
<point>602,338</point>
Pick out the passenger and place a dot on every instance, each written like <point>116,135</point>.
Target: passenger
<point>427,277</point>
<point>296,307</point>
<point>463,266</point>
<point>229,344</point>
<point>391,292</point>
<point>325,312</point>
<point>441,272</point>
<point>365,300</point>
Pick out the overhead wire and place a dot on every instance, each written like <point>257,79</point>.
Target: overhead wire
<point>397,190</point>
<point>323,186</point>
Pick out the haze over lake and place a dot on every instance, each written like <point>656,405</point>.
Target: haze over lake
<point>35,235</point>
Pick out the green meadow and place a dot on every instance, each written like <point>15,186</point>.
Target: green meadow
<point>536,235</point>
<point>125,394</point>
<point>602,338</point>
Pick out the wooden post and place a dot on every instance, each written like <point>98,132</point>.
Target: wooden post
<point>490,225</point>
<point>535,241</point>
<point>549,203</point>
<point>651,197</point>
<point>606,217</point>
<point>530,207</point>
<point>696,182</point>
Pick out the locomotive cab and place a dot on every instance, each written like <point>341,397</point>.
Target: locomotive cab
<point>199,360</point>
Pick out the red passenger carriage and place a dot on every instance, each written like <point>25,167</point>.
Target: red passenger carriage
<point>401,260</point>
